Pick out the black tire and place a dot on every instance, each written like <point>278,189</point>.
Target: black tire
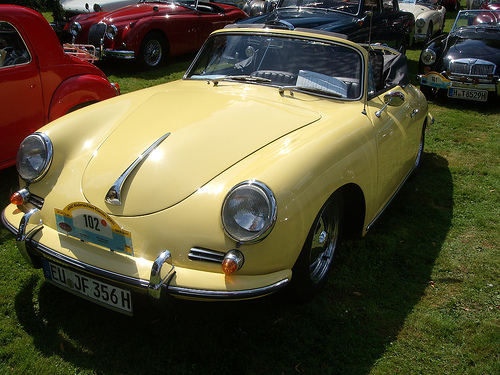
<point>429,92</point>
<point>428,36</point>
<point>153,51</point>
<point>403,47</point>
<point>314,264</point>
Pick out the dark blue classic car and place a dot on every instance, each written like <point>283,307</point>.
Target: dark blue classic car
<point>465,62</point>
<point>362,21</point>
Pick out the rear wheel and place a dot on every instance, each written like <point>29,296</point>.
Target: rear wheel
<point>153,51</point>
<point>310,272</point>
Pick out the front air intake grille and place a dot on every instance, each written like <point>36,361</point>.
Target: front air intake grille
<point>206,255</point>
<point>36,201</point>
<point>472,67</point>
<point>96,34</point>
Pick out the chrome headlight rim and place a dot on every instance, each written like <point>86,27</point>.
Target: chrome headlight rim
<point>242,235</point>
<point>428,56</point>
<point>111,32</point>
<point>37,173</point>
<point>420,23</point>
<point>75,28</point>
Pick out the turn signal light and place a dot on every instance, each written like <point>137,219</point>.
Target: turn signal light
<point>233,261</point>
<point>19,197</point>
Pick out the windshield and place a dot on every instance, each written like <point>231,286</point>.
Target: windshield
<point>326,68</point>
<point>477,18</point>
<point>349,6</point>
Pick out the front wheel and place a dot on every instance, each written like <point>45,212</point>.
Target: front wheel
<point>428,91</point>
<point>153,51</point>
<point>310,272</point>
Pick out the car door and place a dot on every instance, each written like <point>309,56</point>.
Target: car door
<point>394,130</point>
<point>21,99</point>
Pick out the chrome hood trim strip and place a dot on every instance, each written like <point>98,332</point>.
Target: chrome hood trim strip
<point>114,193</point>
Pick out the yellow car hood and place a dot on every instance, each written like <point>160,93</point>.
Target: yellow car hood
<point>209,132</point>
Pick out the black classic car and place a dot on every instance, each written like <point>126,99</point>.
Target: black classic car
<point>464,62</point>
<point>362,21</point>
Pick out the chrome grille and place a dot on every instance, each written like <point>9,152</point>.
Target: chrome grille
<point>472,67</point>
<point>36,201</point>
<point>207,255</point>
<point>96,34</point>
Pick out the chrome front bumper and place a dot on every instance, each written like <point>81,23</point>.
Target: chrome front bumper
<point>124,55</point>
<point>157,287</point>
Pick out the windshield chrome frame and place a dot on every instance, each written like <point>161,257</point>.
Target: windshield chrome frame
<point>271,33</point>
<point>473,11</point>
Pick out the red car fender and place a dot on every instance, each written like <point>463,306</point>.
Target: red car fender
<point>77,92</point>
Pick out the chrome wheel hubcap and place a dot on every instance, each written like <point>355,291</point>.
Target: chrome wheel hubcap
<point>324,243</point>
<point>152,53</point>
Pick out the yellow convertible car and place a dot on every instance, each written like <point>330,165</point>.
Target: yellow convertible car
<point>232,183</point>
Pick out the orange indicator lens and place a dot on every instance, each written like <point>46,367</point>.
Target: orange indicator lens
<point>17,199</point>
<point>229,266</point>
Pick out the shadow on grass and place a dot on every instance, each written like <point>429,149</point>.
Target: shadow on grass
<point>375,284</point>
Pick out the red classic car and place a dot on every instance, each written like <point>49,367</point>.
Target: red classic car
<point>39,81</point>
<point>150,31</point>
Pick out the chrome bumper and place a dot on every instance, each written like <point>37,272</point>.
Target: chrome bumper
<point>111,53</point>
<point>157,287</point>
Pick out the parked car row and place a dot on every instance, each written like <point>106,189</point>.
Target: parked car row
<point>289,132</point>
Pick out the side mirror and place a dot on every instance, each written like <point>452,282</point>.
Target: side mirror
<point>392,98</point>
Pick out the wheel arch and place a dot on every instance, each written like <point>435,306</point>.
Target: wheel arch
<point>353,209</point>
<point>77,92</point>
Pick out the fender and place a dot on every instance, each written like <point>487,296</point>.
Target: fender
<point>79,91</point>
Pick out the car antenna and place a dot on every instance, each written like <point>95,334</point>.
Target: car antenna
<point>370,15</point>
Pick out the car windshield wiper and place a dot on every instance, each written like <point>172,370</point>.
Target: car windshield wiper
<point>311,90</point>
<point>252,79</point>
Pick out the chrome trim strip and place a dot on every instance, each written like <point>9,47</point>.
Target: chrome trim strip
<point>227,295</point>
<point>114,193</point>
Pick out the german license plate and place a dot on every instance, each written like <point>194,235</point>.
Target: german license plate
<point>91,224</point>
<point>477,95</point>
<point>87,287</point>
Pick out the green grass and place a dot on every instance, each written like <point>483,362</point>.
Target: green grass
<point>420,294</point>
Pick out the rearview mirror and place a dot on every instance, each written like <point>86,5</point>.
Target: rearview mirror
<point>392,98</point>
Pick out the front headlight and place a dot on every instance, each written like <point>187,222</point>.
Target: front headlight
<point>249,212</point>
<point>428,57</point>
<point>420,23</point>
<point>75,28</point>
<point>34,157</point>
<point>111,32</point>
